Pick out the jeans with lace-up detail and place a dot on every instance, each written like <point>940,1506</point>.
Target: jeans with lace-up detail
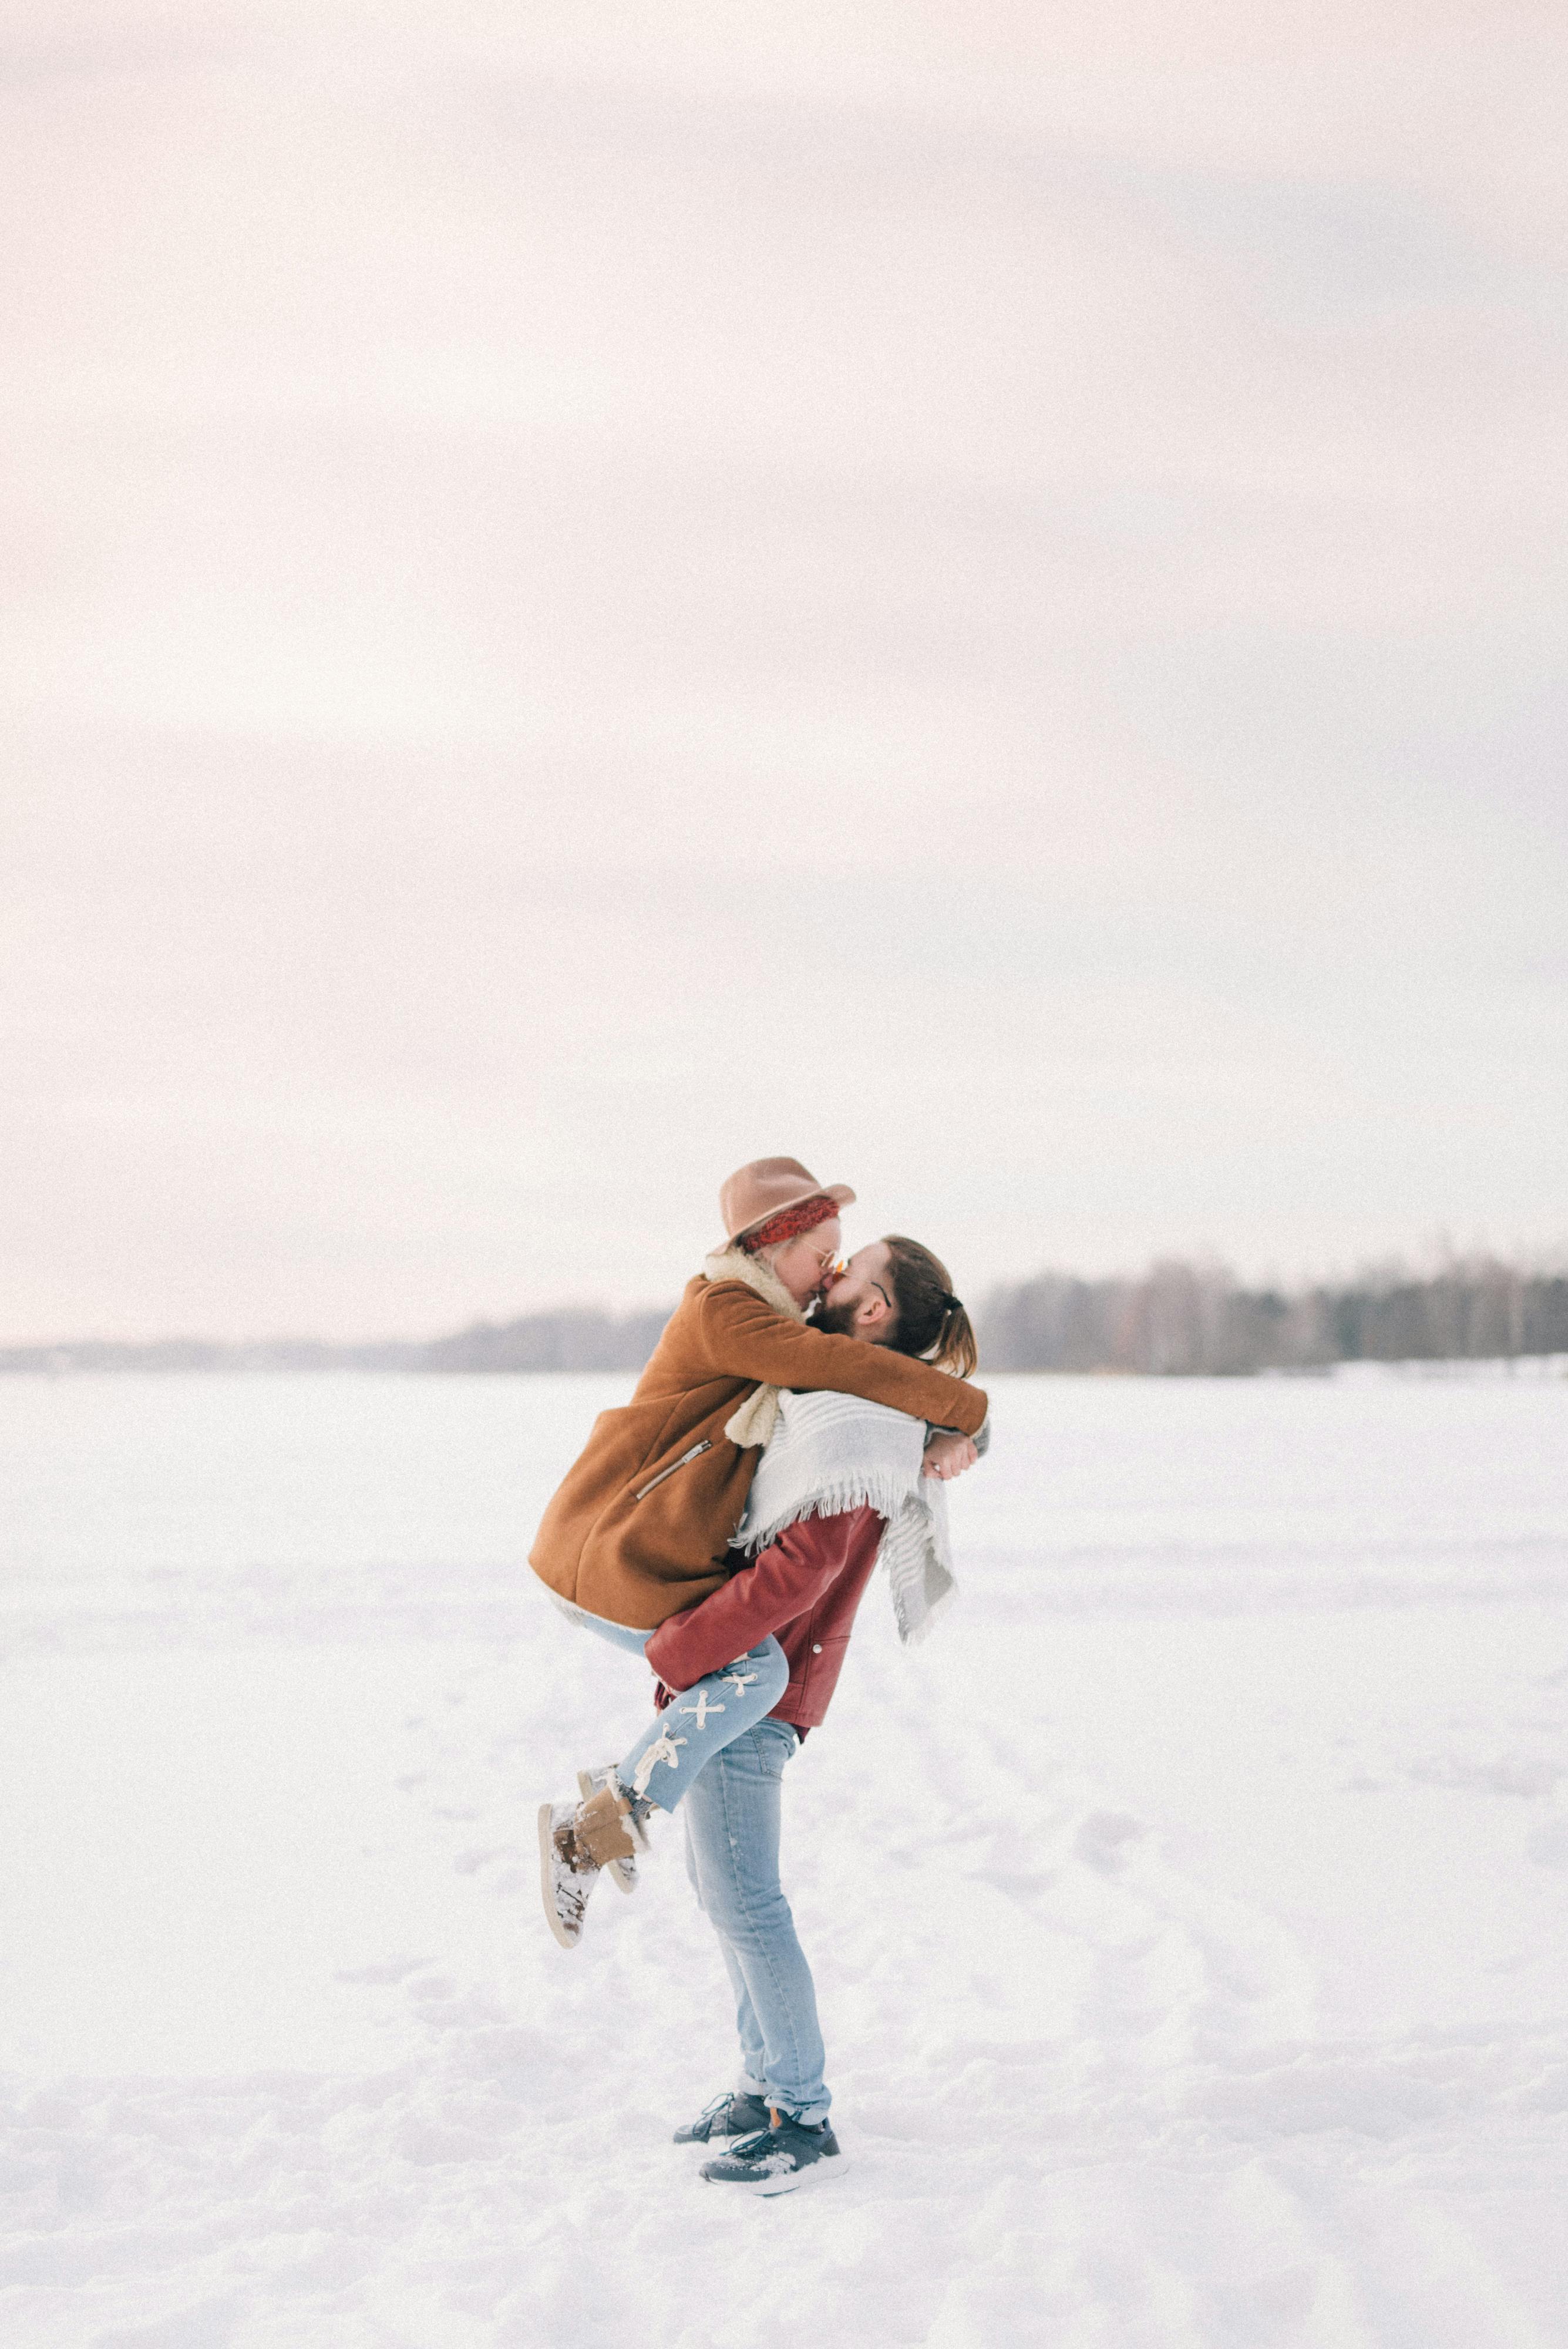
<point>697,1722</point>
<point>700,1722</point>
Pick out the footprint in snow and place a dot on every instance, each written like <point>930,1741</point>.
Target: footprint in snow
<point>1103,1837</point>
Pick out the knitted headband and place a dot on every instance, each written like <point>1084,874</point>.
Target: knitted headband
<point>788,1224</point>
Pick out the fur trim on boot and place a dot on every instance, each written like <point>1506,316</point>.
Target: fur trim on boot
<point>577,1842</point>
<point>622,1873</point>
<point>601,1827</point>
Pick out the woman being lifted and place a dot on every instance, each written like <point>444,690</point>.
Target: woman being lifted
<point>641,1529</point>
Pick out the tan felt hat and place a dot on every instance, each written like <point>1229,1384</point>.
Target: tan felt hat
<point>768,1186</point>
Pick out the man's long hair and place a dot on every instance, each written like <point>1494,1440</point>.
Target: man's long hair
<point>931,1324</point>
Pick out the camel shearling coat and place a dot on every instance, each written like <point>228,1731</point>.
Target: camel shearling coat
<point>640,1527</point>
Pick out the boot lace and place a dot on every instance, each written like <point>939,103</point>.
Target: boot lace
<point>766,2141</point>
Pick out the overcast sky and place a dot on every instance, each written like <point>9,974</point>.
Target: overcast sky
<point>966,591</point>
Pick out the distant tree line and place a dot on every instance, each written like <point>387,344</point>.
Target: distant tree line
<point>1193,1320</point>
<point>578,1338</point>
<point>1175,1319</point>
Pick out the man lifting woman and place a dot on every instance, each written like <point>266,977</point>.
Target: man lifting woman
<point>866,1405</point>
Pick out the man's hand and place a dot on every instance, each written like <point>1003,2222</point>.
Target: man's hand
<point>949,1455</point>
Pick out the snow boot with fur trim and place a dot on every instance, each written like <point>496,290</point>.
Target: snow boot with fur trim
<point>622,1873</point>
<point>577,1841</point>
<point>735,2114</point>
<point>778,2159</point>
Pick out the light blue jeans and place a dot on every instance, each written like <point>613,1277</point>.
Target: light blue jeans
<point>730,1771</point>
<point>733,1858</point>
<point>701,1721</point>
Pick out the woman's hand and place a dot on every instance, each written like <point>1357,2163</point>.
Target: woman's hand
<point>949,1455</point>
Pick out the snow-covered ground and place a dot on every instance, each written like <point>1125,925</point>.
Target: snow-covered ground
<point>1188,1914</point>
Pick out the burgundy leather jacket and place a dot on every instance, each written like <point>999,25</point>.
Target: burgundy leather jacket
<point>805,1588</point>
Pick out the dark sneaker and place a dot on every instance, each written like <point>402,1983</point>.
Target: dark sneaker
<point>777,2159</point>
<point>732,2114</point>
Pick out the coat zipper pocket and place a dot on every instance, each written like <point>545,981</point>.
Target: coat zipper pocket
<point>706,1445</point>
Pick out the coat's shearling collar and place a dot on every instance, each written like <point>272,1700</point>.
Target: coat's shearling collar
<point>754,1421</point>
<point>734,1264</point>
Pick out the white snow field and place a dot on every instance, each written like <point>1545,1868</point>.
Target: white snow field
<point>1188,1914</point>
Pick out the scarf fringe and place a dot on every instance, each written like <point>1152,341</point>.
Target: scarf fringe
<point>835,1453</point>
<point>913,1628</point>
<point>888,1495</point>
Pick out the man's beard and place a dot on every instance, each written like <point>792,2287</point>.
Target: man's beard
<point>838,1320</point>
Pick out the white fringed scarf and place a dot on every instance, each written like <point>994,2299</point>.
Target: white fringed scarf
<point>831,1453</point>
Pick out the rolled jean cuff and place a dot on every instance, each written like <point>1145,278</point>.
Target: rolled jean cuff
<point>809,2116</point>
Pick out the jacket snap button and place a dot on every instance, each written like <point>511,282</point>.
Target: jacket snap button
<point>817,1648</point>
